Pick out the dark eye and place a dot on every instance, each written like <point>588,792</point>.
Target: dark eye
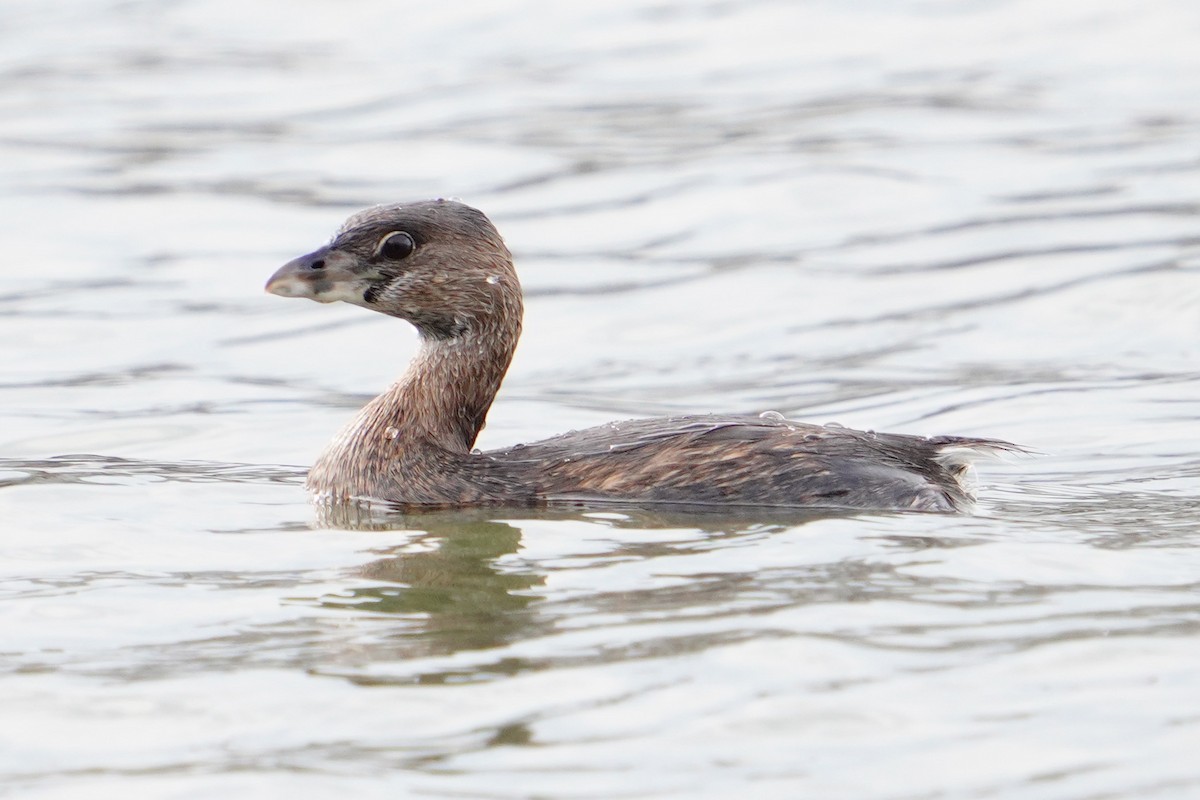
<point>396,245</point>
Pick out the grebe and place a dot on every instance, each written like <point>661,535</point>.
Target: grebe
<point>442,266</point>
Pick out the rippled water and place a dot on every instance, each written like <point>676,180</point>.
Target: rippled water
<point>933,217</point>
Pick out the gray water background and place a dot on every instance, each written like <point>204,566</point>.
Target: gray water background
<point>973,217</point>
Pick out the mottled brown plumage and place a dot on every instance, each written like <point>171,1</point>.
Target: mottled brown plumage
<point>442,266</point>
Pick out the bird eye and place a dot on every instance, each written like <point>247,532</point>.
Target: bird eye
<point>396,245</point>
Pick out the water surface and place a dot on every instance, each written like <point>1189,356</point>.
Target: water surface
<point>931,217</point>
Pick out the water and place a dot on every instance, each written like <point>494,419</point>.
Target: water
<point>932,217</point>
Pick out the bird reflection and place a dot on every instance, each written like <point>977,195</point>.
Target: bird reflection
<point>450,581</point>
<point>462,599</point>
<point>455,586</point>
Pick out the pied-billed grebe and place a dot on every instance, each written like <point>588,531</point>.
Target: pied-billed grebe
<point>442,266</point>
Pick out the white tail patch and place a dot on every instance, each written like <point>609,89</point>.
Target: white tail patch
<point>958,458</point>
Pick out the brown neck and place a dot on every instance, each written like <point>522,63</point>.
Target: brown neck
<point>444,396</point>
<point>393,448</point>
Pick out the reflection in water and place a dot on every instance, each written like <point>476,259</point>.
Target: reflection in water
<point>708,518</point>
<point>457,591</point>
<point>464,600</point>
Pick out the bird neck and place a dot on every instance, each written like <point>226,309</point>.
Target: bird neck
<point>444,396</point>
<point>436,408</point>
